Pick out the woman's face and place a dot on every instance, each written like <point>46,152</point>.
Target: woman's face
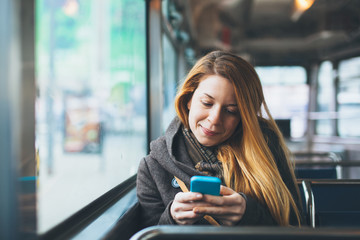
<point>213,111</point>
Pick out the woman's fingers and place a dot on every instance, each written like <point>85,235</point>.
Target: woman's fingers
<point>226,191</point>
<point>183,205</point>
<point>229,198</point>
<point>227,215</point>
<point>228,208</point>
<point>186,217</point>
<point>189,207</point>
<point>179,206</point>
<point>219,210</point>
<point>188,197</point>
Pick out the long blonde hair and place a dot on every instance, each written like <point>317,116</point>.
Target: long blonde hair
<point>248,163</point>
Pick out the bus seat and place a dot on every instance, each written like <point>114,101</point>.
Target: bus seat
<point>338,219</point>
<point>333,202</point>
<point>317,165</point>
<point>285,127</point>
<point>316,173</point>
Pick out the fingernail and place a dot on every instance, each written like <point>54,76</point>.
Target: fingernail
<point>199,195</point>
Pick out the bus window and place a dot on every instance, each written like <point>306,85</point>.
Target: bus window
<point>169,82</point>
<point>91,101</point>
<point>325,98</point>
<point>348,97</point>
<point>287,95</point>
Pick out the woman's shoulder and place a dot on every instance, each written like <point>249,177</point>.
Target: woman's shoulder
<point>165,142</point>
<point>157,153</point>
<point>158,144</point>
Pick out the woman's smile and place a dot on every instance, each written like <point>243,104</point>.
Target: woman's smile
<point>207,132</point>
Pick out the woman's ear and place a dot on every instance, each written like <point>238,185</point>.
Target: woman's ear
<point>189,104</point>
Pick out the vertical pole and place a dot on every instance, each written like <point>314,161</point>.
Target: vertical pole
<point>313,83</point>
<point>10,67</point>
<point>27,165</point>
<point>50,90</point>
<point>154,68</point>
<point>334,102</point>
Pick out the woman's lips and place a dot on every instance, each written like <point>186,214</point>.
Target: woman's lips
<point>207,132</point>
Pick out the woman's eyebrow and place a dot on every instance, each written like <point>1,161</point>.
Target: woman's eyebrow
<point>228,105</point>
<point>232,105</point>
<point>209,96</point>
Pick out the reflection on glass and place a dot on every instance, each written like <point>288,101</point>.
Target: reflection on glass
<point>90,106</point>
<point>287,95</point>
<point>169,66</point>
<point>82,125</point>
<point>324,98</point>
<point>348,98</point>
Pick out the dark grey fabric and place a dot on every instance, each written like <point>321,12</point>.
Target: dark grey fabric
<point>168,158</point>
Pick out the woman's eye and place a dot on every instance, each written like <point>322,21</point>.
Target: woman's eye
<point>207,104</point>
<point>232,112</point>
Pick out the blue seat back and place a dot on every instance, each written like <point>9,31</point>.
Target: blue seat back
<point>336,203</point>
<point>316,173</point>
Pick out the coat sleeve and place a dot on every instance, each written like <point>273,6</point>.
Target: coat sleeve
<point>153,210</point>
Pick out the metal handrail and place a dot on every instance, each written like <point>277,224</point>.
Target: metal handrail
<point>244,232</point>
<point>309,202</point>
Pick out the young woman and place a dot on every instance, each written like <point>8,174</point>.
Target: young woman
<point>220,131</point>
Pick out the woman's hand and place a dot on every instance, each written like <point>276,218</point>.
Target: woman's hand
<point>228,208</point>
<point>182,207</point>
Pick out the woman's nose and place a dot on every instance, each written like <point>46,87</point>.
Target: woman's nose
<point>215,115</point>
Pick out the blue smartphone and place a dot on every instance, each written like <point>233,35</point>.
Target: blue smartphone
<point>205,185</point>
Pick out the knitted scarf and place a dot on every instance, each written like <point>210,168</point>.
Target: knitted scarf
<point>204,158</point>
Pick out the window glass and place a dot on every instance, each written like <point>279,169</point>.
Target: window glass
<point>164,8</point>
<point>324,98</point>
<point>90,105</point>
<point>287,95</point>
<point>169,86</point>
<point>348,98</point>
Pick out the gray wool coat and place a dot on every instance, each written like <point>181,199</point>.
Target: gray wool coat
<point>156,186</point>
